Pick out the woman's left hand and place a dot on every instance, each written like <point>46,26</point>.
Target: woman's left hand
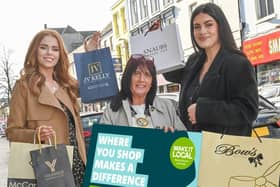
<point>191,113</point>
<point>166,129</point>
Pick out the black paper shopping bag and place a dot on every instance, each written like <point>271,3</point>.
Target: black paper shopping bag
<point>20,171</point>
<point>51,166</point>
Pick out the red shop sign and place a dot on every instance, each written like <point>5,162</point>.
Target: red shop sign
<point>263,49</point>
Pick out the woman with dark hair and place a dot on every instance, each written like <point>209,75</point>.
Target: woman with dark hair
<point>136,104</point>
<point>218,84</point>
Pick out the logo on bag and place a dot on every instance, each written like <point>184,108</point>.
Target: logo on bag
<point>94,68</point>
<point>154,50</point>
<point>51,165</point>
<point>231,150</point>
<point>256,160</point>
<point>95,74</point>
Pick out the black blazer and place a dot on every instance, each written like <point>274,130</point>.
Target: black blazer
<point>227,99</point>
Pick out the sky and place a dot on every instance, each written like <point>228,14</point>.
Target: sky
<point>22,19</point>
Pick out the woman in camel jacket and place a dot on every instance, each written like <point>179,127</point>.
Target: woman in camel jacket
<point>45,96</point>
<point>27,112</point>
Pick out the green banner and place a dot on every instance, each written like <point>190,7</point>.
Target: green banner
<point>141,157</point>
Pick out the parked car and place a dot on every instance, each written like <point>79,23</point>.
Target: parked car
<point>271,92</point>
<point>267,123</point>
<point>88,120</point>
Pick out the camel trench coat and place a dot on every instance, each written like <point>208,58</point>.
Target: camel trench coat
<point>28,111</point>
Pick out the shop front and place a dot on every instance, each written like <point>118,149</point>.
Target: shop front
<point>264,54</point>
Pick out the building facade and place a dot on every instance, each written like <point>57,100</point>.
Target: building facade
<point>120,32</point>
<point>261,31</point>
<point>143,13</point>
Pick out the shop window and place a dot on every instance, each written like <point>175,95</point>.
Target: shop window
<point>268,73</point>
<point>264,8</point>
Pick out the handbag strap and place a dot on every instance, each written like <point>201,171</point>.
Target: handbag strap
<point>39,139</point>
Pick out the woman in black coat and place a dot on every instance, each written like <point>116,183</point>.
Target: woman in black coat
<point>218,85</point>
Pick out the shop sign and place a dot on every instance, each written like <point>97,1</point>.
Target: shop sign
<point>263,49</point>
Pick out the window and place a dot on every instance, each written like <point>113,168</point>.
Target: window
<point>134,12</point>
<point>166,2</point>
<point>123,20</point>
<point>134,32</point>
<point>154,6</point>
<point>116,25</point>
<point>173,87</point>
<point>264,8</point>
<point>144,9</point>
<point>144,28</point>
<point>169,18</point>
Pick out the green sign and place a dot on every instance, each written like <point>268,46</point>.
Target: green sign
<point>139,157</point>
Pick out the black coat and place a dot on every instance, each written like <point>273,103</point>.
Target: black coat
<point>227,98</point>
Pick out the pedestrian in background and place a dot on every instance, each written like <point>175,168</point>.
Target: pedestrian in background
<point>218,84</point>
<point>46,96</point>
<point>137,105</point>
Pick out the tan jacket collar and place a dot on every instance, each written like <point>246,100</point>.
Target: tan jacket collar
<point>47,98</point>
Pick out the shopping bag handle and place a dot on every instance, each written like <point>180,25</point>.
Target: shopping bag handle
<point>34,138</point>
<point>259,138</point>
<point>155,26</point>
<point>39,139</point>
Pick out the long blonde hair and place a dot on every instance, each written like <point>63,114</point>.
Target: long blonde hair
<point>35,79</point>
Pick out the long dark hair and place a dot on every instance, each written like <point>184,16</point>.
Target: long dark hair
<point>125,92</point>
<point>225,34</point>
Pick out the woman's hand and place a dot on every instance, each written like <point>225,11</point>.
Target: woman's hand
<point>166,128</point>
<point>46,132</point>
<point>191,113</point>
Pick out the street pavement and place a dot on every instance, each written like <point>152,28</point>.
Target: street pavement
<point>4,156</point>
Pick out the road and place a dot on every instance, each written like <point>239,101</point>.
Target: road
<point>4,155</point>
